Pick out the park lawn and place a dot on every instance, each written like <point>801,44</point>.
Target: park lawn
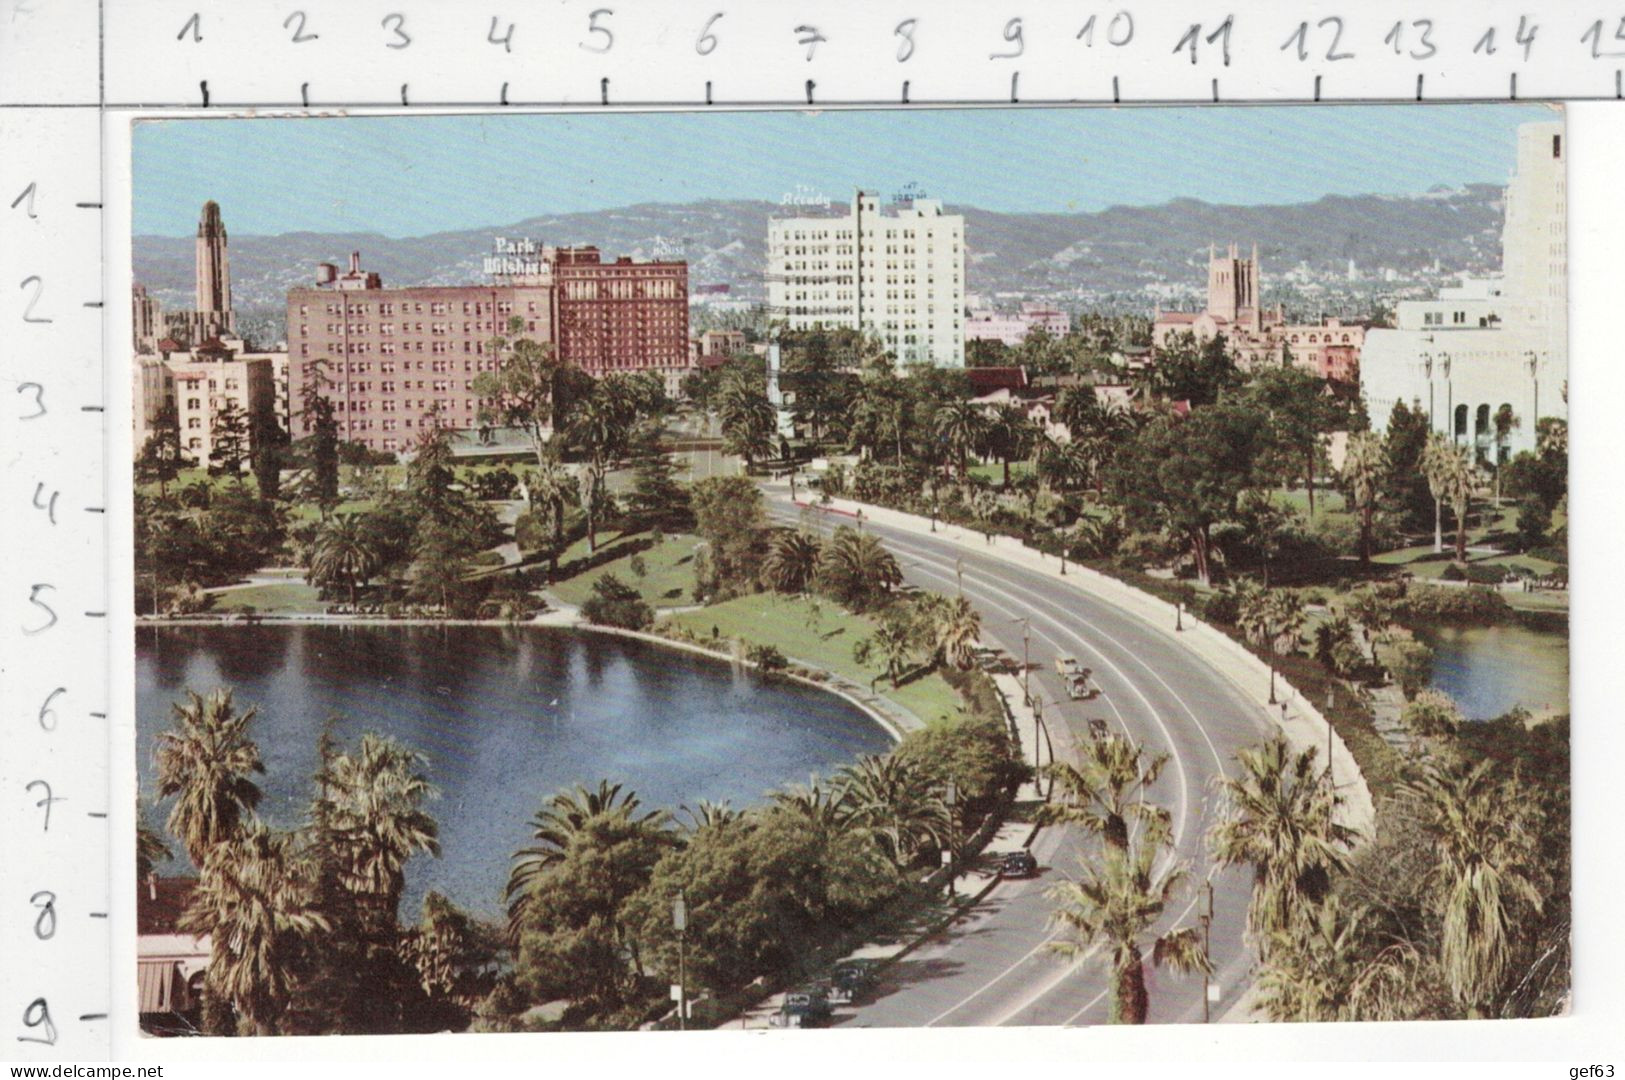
<point>1329,502</point>
<point>788,623</point>
<point>993,471</point>
<point>668,579</point>
<point>293,598</point>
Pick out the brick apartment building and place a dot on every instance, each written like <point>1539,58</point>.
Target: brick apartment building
<point>391,356</point>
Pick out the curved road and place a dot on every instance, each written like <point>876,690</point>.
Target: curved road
<point>994,966</point>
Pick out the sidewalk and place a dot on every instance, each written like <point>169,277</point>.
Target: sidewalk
<point>1296,717</point>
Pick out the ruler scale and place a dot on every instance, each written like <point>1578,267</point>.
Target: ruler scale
<point>55,989</point>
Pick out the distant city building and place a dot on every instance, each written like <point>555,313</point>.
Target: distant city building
<point>392,356</point>
<point>1488,343</point>
<point>1330,348</point>
<point>899,276</point>
<point>203,382</point>
<point>211,314</point>
<point>983,324</point>
<point>717,345</point>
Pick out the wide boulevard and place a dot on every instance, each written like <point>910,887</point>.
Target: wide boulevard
<point>994,965</point>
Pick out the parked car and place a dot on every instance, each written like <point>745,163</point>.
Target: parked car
<point>850,980</point>
<point>803,1008</point>
<point>1068,665</point>
<point>1018,864</point>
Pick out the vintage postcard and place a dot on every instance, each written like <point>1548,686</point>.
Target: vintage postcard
<point>866,568</point>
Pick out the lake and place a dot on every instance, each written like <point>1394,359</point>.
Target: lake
<point>506,716</point>
<point>1489,670</point>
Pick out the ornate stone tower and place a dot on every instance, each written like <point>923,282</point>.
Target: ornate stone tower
<point>1232,287</point>
<point>213,273</point>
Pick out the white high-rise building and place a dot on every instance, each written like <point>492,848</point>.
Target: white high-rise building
<point>1491,343</point>
<point>899,276</point>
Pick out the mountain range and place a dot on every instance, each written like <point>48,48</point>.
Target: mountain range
<point>1122,249</point>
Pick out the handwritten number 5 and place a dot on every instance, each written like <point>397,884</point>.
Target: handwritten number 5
<point>594,28</point>
<point>33,598</point>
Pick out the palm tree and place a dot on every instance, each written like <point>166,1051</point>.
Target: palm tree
<point>371,810</point>
<point>1270,618</point>
<point>1280,819</point>
<point>857,569</point>
<point>206,759</point>
<point>792,562</point>
<point>600,426</point>
<point>1116,906</point>
<point>825,808</point>
<point>150,848</point>
<point>561,821</point>
<point>256,899</point>
<point>1106,790</point>
<point>959,427</point>
<point>748,418</point>
<point>1486,865</point>
<point>894,643</point>
<point>957,627</point>
<point>710,815</point>
<point>1363,464</point>
<point>553,487</point>
<point>897,803</point>
<point>1436,469</point>
<point>343,552</point>
<point>1008,435</point>
<point>1329,969</point>
<point>1460,480</point>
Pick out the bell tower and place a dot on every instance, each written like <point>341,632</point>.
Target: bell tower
<point>213,272</point>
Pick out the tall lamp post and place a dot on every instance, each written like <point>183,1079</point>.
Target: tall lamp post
<point>1533,363</point>
<point>679,921</point>
<point>1207,951</point>
<point>1038,744</point>
<point>1026,665</point>
<point>950,799</point>
<point>1331,701</point>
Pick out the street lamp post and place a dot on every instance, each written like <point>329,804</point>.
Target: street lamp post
<point>1331,701</point>
<point>1207,952</point>
<point>1026,664</point>
<point>1179,615</point>
<point>679,921</point>
<point>950,798</point>
<point>1038,724</point>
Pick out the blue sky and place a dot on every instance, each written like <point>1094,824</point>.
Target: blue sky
<point>408,176</point>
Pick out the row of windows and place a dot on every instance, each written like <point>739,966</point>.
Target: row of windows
<point>436,307</point>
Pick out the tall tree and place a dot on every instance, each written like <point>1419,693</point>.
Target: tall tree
<point>1271,618</point>
<point>1436,468</point>
<point>959,427</point>
<point>1460,481</point>
<point>1009,436</point>
<point>857,570</point>
<point>791,565</point>
<point>1105,791</point>
<point>524,389</point>
<point>161,458</point>
<point>1279,818</point>
<point>897,803</point>
<point>1404,494</point>
<point>229,443</point>
<point>1484,878</point>
<point>319,417</point>
<point>343,554</point>
<point>1363,467</point>
<point>1114,907</point>
<point>207,759</point>
<point>1300,415</point>
<point>256,900</point>
<point>730,516</point>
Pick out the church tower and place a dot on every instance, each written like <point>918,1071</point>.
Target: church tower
<point>213,273</point>
<point>1232,287</point>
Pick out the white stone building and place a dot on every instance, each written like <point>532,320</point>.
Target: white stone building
<point>900,276</point>
<point>200,383</point>
<point>1493,342</point>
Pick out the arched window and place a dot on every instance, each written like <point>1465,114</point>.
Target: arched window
<point>1461,420</point>
<point>1481,422</point>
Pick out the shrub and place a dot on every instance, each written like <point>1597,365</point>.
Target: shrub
<point>767,658</point>
<point>1432,712</point>
<point>1453,572</point>
<point>1551,553</point>
<point>615,603</point>
<point>1470,606</point>
<point>1409,661</point>
<point>1222,607</point>
<point>1480,574</point>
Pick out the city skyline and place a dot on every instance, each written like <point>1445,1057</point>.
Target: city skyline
<point>381,175</point>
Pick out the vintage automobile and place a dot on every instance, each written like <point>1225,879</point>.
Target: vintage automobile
<point>1079,688</point>
<point>1068,666</point>
<point>849,980</point>
<point>806,1007</point>
<point>1018,864</point>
